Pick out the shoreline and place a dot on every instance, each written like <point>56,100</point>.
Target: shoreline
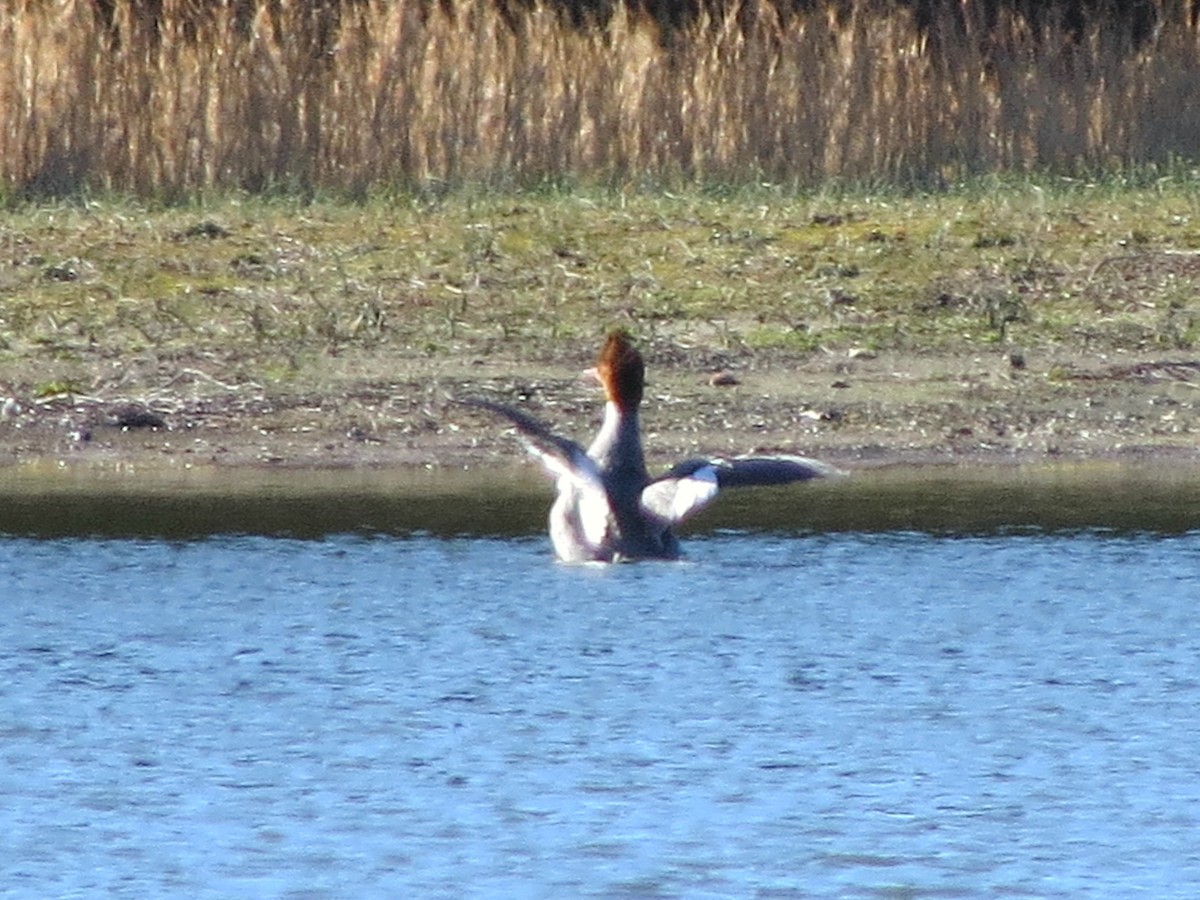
<point>888,410</point>
<point>157,500</point>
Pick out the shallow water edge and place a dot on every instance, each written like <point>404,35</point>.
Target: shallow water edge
<point>47,500</point>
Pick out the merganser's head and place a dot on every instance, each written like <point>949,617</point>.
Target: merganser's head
<point>621,371</point>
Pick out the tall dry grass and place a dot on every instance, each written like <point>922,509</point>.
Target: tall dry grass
<point>408,95</point>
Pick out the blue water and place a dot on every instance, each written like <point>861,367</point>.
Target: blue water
<point>827,716</point>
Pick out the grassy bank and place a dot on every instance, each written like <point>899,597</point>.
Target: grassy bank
<point>1012,317</point>
<point>263,288</point>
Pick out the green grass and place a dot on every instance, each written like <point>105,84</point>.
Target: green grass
<point>270,289</point>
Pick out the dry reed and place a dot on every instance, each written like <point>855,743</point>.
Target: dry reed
<point>407,95</point>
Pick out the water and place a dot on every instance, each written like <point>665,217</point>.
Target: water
<point>783,715</point>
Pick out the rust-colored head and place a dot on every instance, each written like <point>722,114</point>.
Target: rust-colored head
<point>621,370</point>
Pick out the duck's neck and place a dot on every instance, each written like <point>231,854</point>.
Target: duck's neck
<point>618,445</point>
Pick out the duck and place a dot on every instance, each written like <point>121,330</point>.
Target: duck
<point>608,508</point>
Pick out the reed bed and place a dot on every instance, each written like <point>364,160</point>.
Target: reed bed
<point>404,94</point>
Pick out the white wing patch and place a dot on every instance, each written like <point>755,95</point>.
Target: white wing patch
<point>671,500</point>
<point>580,517</point>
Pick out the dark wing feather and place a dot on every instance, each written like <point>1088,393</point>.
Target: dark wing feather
<point>561,457</point>
<point>750,471</point>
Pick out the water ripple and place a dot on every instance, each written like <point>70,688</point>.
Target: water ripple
<point>829,716</point>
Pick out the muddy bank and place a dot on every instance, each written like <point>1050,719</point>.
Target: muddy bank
<point>857,409</point>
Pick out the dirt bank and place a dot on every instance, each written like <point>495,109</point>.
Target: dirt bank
<point>856,409</point>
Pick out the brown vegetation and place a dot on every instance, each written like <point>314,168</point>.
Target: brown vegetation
<point>408,94</point>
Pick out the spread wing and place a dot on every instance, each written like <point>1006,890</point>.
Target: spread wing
<point>581,515</point>
<point>561,457</point>
<point>694,483</point>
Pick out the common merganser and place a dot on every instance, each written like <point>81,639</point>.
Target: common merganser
<point>608,508</point>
